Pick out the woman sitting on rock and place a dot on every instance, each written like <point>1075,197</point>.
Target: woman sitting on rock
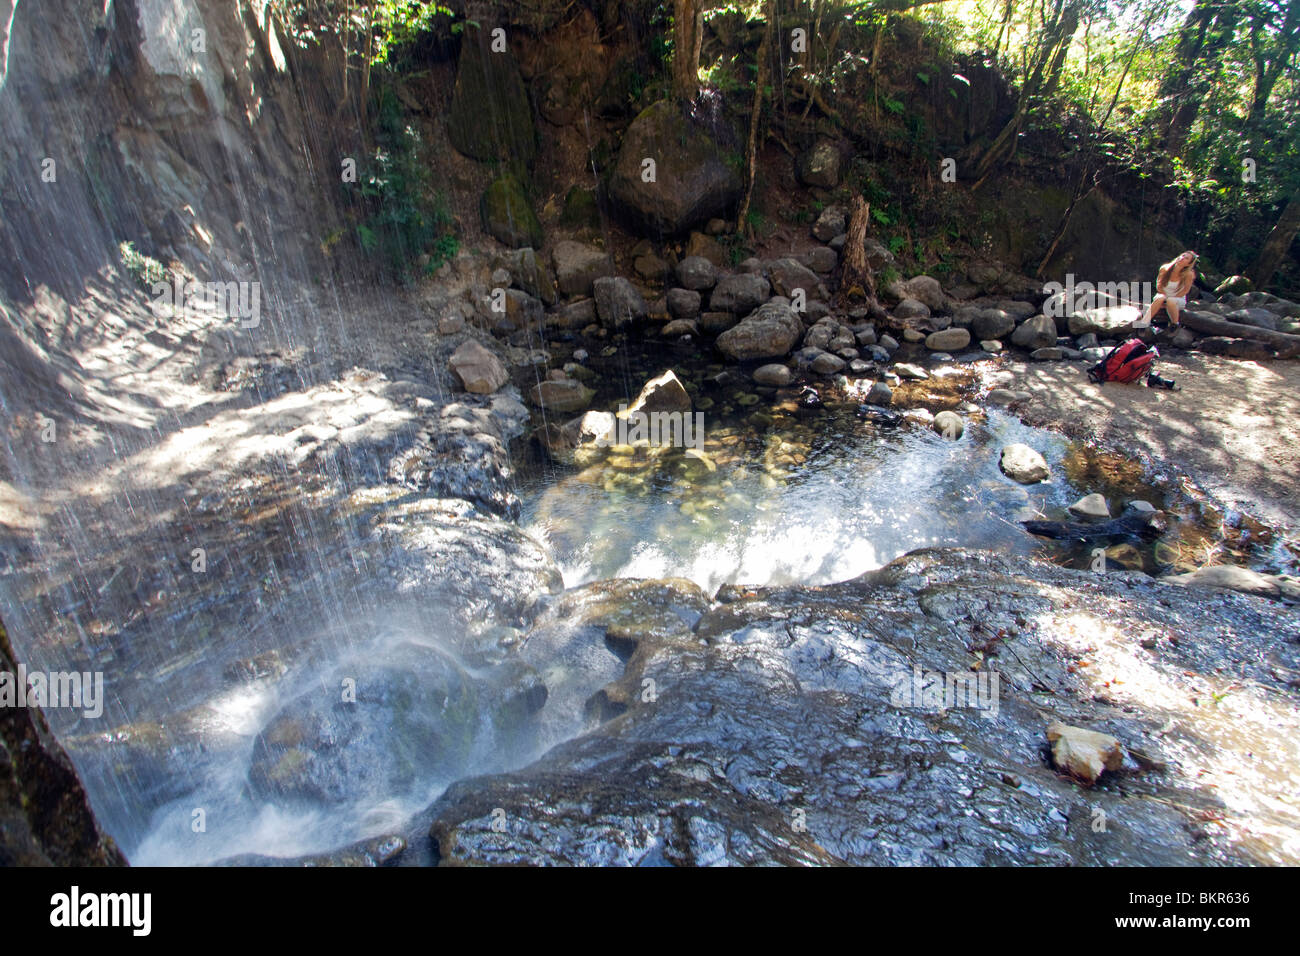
<point>1173,282</point>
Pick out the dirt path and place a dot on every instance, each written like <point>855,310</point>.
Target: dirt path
<point>1234,429</point>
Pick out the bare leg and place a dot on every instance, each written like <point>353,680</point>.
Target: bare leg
<point>1173,313</point>
<point>1152,311</point>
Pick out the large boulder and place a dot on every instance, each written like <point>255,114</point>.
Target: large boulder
<point>788,274</point>
<point>663,393</point>
<point>577,266</point>
<point>522,311</point>
<point>822,165</point>
<point>693,181</point>
<point>697,273</point>
<point>1259,318</point>
<point>617,302</point>
<point>683,303</point>
<point>478,370</point>
<point>770,331</point>
<point>1233,285</point>
<point>508,215</point>
<point>531,274</point>
<point>414,710</point>
<point>992,324</point>
<point>820,259</point>
<point>923,289</point>
<point>490,117</point>
<point>575,315</point>
<point>1108,322</point>
<point>563,395</point>
<point>837,707</point>
<point>832,222</point>
<point>948,340</point>
<point>739,293</point>
<point>1036,332</point>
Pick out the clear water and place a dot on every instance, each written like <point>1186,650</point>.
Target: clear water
<point>861,497</point>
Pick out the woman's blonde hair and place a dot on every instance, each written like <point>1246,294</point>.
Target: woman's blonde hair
<point>1165,269</point>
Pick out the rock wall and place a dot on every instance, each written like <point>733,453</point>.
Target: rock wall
<point>182,126</point>
<point>45,818</point>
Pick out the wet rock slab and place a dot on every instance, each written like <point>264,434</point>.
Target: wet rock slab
<point>776,733</point>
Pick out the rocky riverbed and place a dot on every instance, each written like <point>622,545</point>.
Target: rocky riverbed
<point>720,680</point>
<point>378,575</point>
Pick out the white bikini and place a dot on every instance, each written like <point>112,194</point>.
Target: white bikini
<point>1168,292</point>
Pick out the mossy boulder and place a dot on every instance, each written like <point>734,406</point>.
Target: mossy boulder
<point>1233,285</point>
<point>695,178</point>
<point>491,117</point>
<point>508,215</point>
<point>580,209</point>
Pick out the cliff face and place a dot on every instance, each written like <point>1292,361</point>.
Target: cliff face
<point>179,127</point>
<point>45,818</point>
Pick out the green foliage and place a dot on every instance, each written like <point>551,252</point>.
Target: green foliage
<point>399,23</point>
<point>737,249</point>
<point>405,218</point>
<point>144,270</point>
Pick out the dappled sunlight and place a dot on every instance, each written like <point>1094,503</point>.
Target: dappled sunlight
<point>1234,739</point>
<point>1235,450</point>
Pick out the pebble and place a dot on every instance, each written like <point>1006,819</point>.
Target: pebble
<point>880,394</point>
<point>1090,506</point>
<point>949,425</point>
<point>773,374</point>
<point>912,373</point>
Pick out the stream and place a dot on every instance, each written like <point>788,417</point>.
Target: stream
<point>231,729</point>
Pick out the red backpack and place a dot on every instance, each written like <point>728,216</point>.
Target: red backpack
<point>1127,362</point>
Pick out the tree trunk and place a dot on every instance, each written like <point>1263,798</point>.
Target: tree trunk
<point>857,271</point>
<point>1268,70</point>
<point>1049,61</point>
<point>1277,245</point>
<point>1007,13</point>
<point>365,79</point>
<point>755,114</point>
<point>1211,34</point>
<point>685,49</point>
<point>1079,193</point>
<point>1286,344</point>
